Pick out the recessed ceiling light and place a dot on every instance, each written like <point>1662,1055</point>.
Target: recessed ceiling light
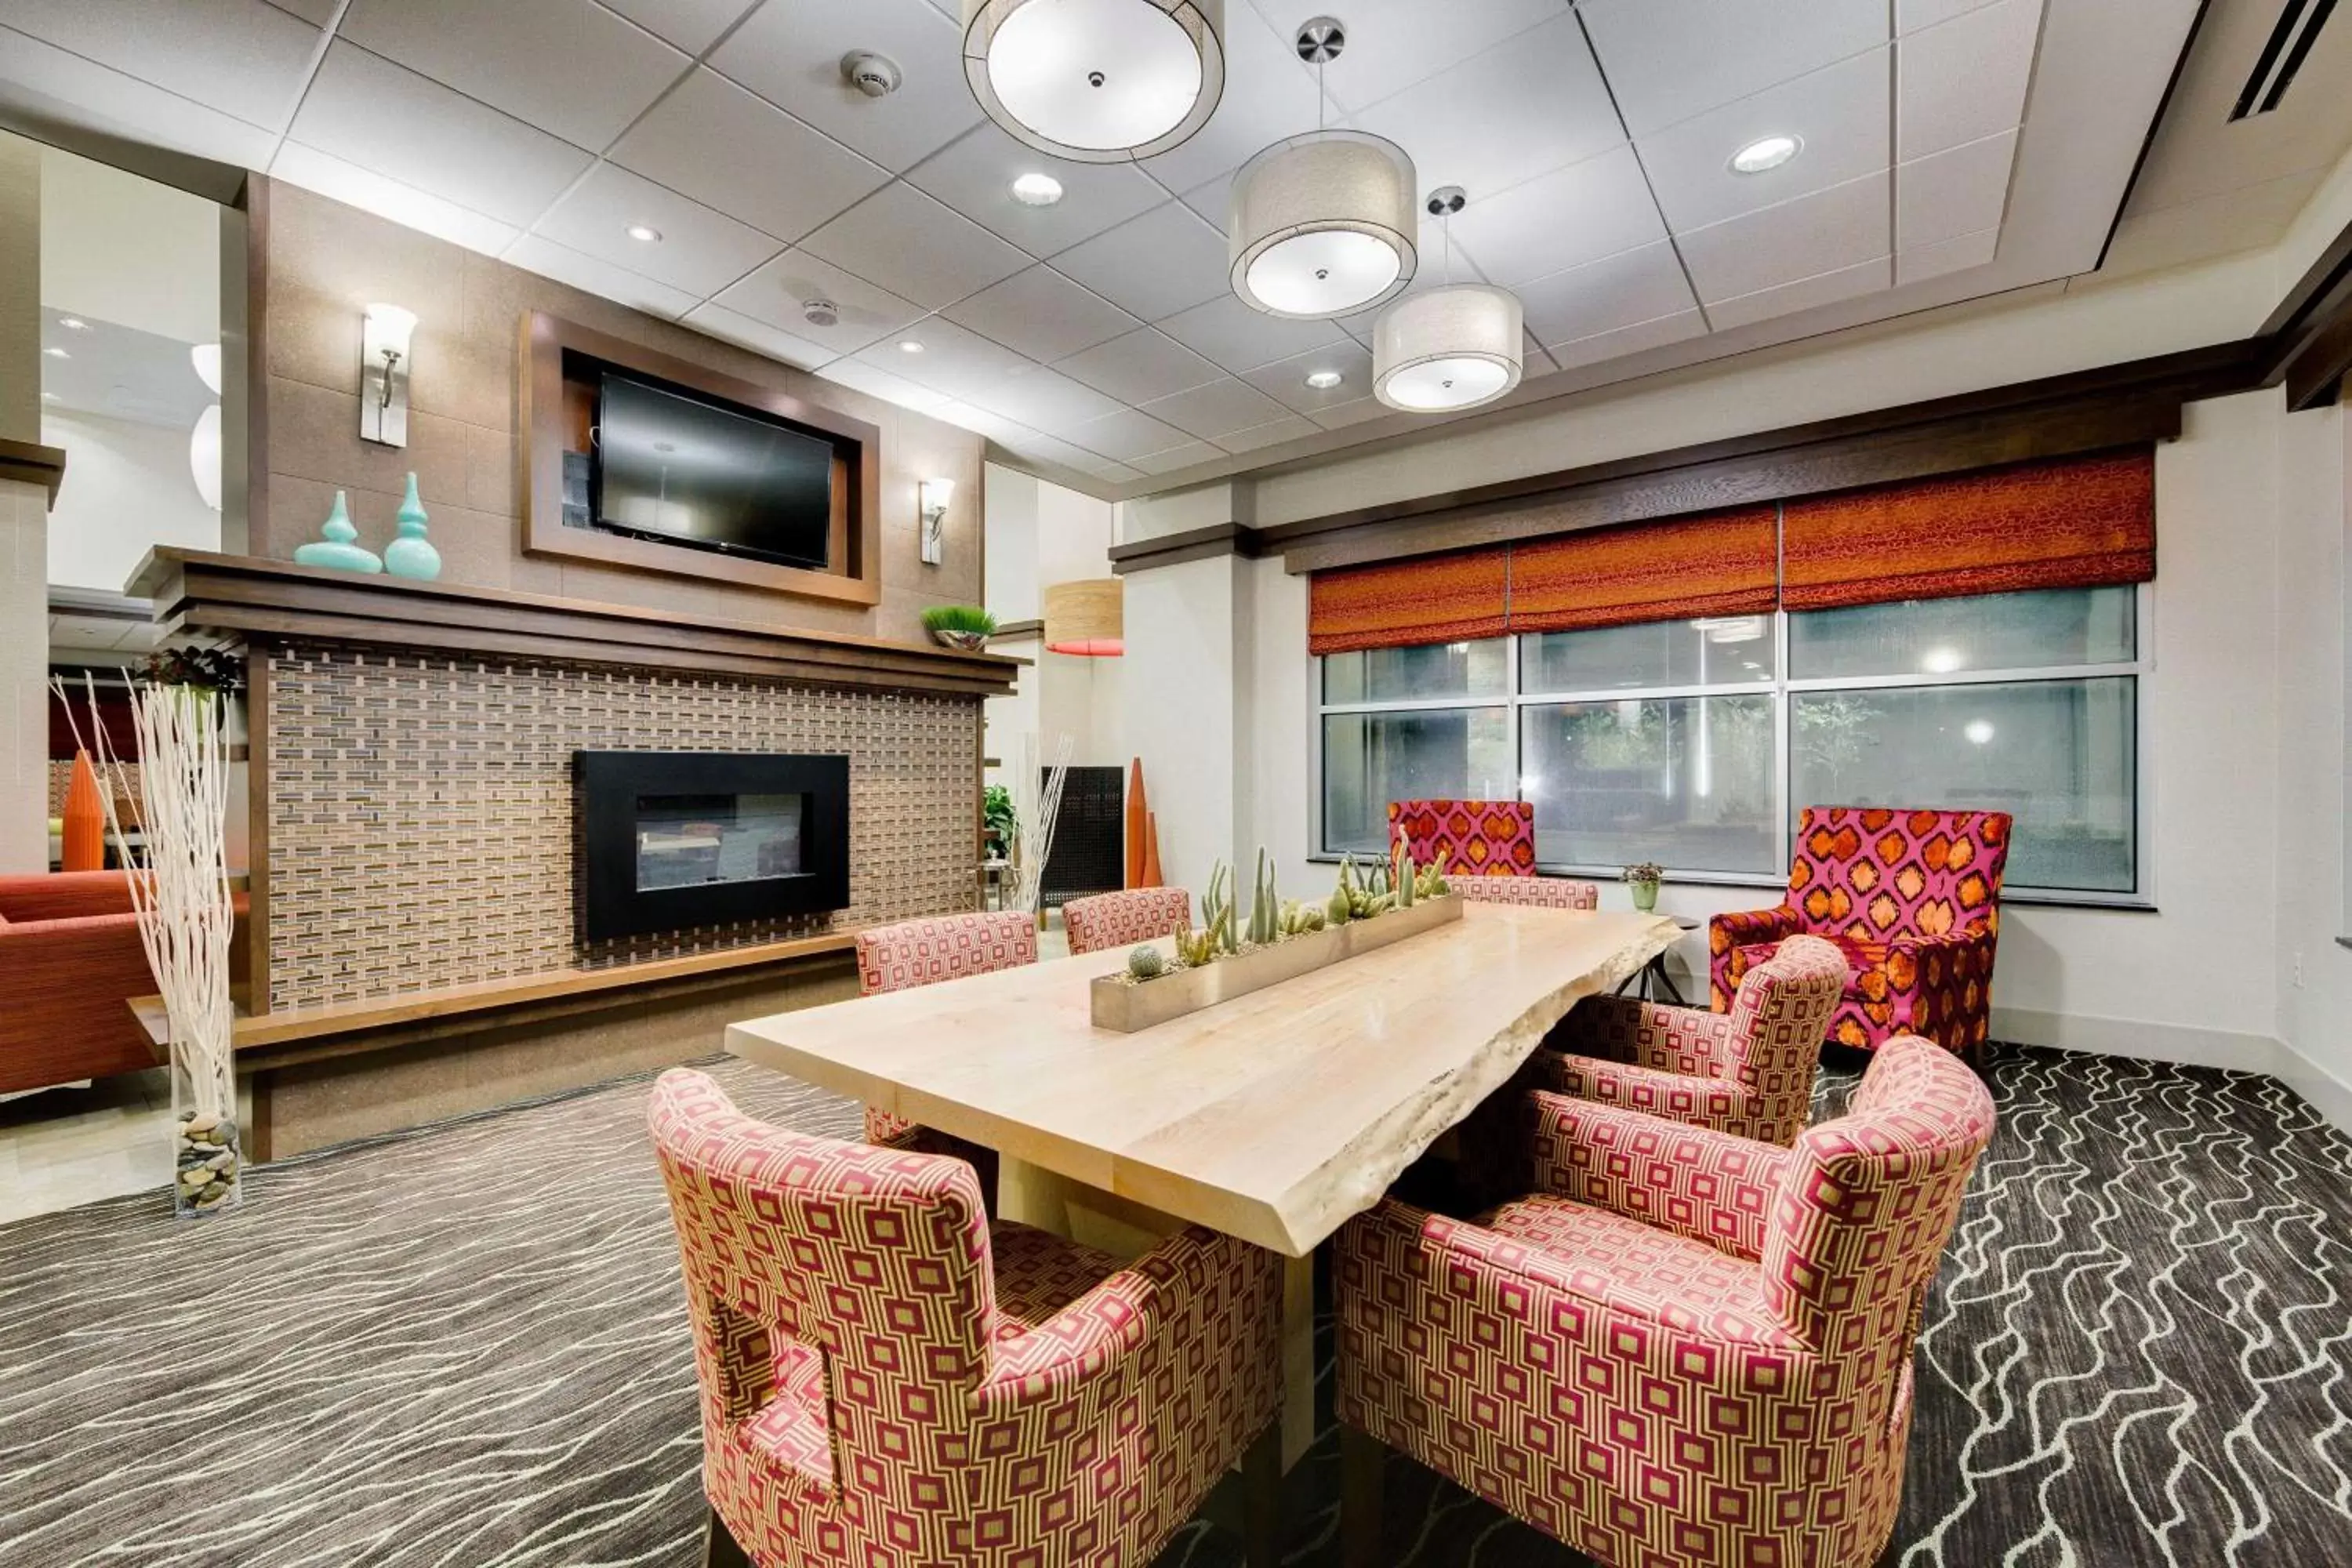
<point>909,346</point>
<point>1978,730</point>
<point>644,232</point>
<point>73,323</point>
<point>1766,152</point>
<point>1036,190</point>
<point>1325,380</point>
<point>57,353</point>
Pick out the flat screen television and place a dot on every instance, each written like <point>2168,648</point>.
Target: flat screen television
<point>685,470</point>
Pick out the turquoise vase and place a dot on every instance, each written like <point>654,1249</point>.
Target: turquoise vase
<point>411,554</point>
<point>336,548</point>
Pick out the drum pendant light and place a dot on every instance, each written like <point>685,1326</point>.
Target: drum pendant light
<point>1095,81</point>
<point>1452,347</point>
<point>1322,224</point>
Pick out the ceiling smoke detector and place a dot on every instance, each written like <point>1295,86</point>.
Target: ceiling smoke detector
<point>876,76</point>
<point>821,313</point>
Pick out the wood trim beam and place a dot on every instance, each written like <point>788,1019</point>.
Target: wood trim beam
<point>2316,372</point>
<point>1190,544</point>
<point>30,463</point>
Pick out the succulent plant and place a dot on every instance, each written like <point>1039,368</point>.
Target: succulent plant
<point>1145,963</point>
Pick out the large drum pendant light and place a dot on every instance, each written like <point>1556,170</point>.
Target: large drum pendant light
<point>1452,347</point>
<point>1087,617</point>
<point>1095,81</point>
<point>1322,224</point>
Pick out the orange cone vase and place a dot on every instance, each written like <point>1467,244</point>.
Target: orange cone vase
<point>85,816</point>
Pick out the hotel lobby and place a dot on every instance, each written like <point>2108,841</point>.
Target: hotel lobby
<point>1521,784</point>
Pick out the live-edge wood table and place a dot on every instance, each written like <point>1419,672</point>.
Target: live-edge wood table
<point>1273,1117</point>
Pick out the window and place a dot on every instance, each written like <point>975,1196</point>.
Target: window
<point>1695,743</point>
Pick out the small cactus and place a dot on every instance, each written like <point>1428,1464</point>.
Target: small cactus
<point>1145,963</point>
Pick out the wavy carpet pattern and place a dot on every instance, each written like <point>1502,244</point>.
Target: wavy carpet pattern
<point>465,1347</point>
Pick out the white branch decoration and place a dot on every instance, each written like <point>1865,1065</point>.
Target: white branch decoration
<point>1037,802</point>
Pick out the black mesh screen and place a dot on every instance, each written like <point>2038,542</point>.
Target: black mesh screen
<point>1089,837</point>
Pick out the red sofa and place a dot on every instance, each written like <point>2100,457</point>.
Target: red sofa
<point>69,960</point>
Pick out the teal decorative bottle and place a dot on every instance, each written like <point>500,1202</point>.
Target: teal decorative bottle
<point>411,554</point>
<point>336,548</point>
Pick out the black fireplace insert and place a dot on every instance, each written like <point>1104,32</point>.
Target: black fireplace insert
<point>673,840</point>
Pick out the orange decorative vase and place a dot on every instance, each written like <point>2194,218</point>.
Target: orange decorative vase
<point>85,819</point>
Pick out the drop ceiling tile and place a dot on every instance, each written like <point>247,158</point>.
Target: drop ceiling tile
<point>692,25</point>
<point>536,253</point>
<point>1569,216</point>
<point>1237,338</point>
<point>1189,455</point>
<point>354,186</point>
<point>1340,415</point>
<point>1154,266</point>
<point>240,56</point>
<point>1842,113</point>
<point>1669,60</point>
<point>1623,341</point>
<point>1127,436</point>
<point>981,422</point>
<point>1392,44</point>
<point>1965,79</point>
<point>1043,399</point>
<point>1289,427</point>
<point>1285,381</point>
<point>113,100</point>
<point>1044,449</point>
<point>1787,299</point>
<point>1522,108</point>
<point>780,293</point>
<point>953,361</point>
<point>529,58</point>
<point>975,177</point>
<point>1217,409</point>
<point>734,327</point>
<point>1043,315</point>
<point>790,54</point>
<point>699,251</point>
<point>1140,366</point>
<point>859,376</point>
<point>318,13</point>
<point>902,240</point>
<point>1269,95</point>
<point>1621,290</point>
<point>1934,260</point>
<point>1831,230</point>
<point>734,151</point>
<point>1953,193</point>
<point>1912,16</point>
<point>444,143</point>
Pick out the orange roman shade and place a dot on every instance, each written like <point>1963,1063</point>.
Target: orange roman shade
<point>2074,522</point>
<point>1720,563</point>
<point>1398,603</point>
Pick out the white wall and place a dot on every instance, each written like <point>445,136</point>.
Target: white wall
<point>119,248</point>
<point>1040,533</point>
<point>127,489</point>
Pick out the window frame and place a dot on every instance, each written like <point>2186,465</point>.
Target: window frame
<point>1781,687</point>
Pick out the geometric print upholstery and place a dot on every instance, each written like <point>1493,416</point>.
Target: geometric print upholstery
<point>1477,837</point>
<point>888,1379</point>
<point>1913,897</point>
<point>1546,892</point>
<point>1125,918</point>
<point>924,952</point>
<point>1687,1349</point>
<point>1748,1072</point>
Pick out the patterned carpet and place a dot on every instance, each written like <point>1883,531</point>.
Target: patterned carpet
<point>464,1348</point>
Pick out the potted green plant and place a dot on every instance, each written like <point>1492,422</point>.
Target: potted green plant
<point>1643,878</point>
<point>966,628</point>
<point>996,821</point>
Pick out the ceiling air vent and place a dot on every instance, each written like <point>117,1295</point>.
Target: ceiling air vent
<point>2283,55</point>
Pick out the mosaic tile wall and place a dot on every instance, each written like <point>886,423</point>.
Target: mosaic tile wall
<point>61,777</point>
<point>421,815</point>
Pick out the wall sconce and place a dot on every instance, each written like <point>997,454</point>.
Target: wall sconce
<point>383,374</point>
<point>935,494</point>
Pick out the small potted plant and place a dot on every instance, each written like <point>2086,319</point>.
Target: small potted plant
<point>1642,880</point>
<point>996,821</point>
<point>966,628</point>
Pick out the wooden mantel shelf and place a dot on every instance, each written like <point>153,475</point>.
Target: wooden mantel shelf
<point>249,599</point>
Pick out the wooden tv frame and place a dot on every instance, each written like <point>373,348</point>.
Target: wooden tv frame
<point>554,408</point>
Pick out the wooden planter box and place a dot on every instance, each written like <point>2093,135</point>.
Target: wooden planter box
<point>1126,1007</point>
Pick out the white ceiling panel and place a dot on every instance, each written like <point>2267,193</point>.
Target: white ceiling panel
<point>1128,436</point>
<point>102,98</point>
<point>1842,113</point>
<point>1392,44</point>
<point>1154,266</point>
<point>736,152</point>
<point>758,336</point>
<point>1953,193</point>
<point>1140,366</point>
<point>1911,15</point>
<point>381,117</point>
<point>1669,60</point>
<point>1184,456</point>
<point>1285,381</point>
<point>1043,399</point>
<point>354,186</point>
<point>1829,231</point>
<point>1638,338</point>
<point>1217,409</point>
<point>779,294</point>
<point>1787,299</point>
<point>859,376</point>
<point>529,58</point>
<point>1944,256</point>
<point>917,250</point>
<point>1238,338</point>
<point>1269,95</point>
<point>241,57</point>
<point>1522,108</point>
<point>1340,415</point>
<point>1965,79</point>
<point>700,249</point>
<point>975,177</point>
<point>1566,219</point>
<point>1043,315</point>
<point>790,54</point>
<point>535,253</point>
<point>1621,290</point>
<point>1289,427</point>
<point>953,360</point>
<point>692,25</point>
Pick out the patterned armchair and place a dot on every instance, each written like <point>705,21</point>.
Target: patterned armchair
<point>1478,837</point>
<point>1748,1072</point>
<point>1913,897</point>
<point>886,1378</point>
<point>1124,919</point>
<point>1547,893</point>
<point>1684,1348</point>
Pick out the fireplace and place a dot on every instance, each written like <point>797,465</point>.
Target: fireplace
<point>674,840</point>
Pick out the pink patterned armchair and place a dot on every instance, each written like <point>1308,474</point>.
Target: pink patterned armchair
<point>887,1378</point>
<point>1912,898</point>
<point>1748,1072</point>
<point>1477,837</point>
<point>1124,919</point>
<point>1686,1349</point>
